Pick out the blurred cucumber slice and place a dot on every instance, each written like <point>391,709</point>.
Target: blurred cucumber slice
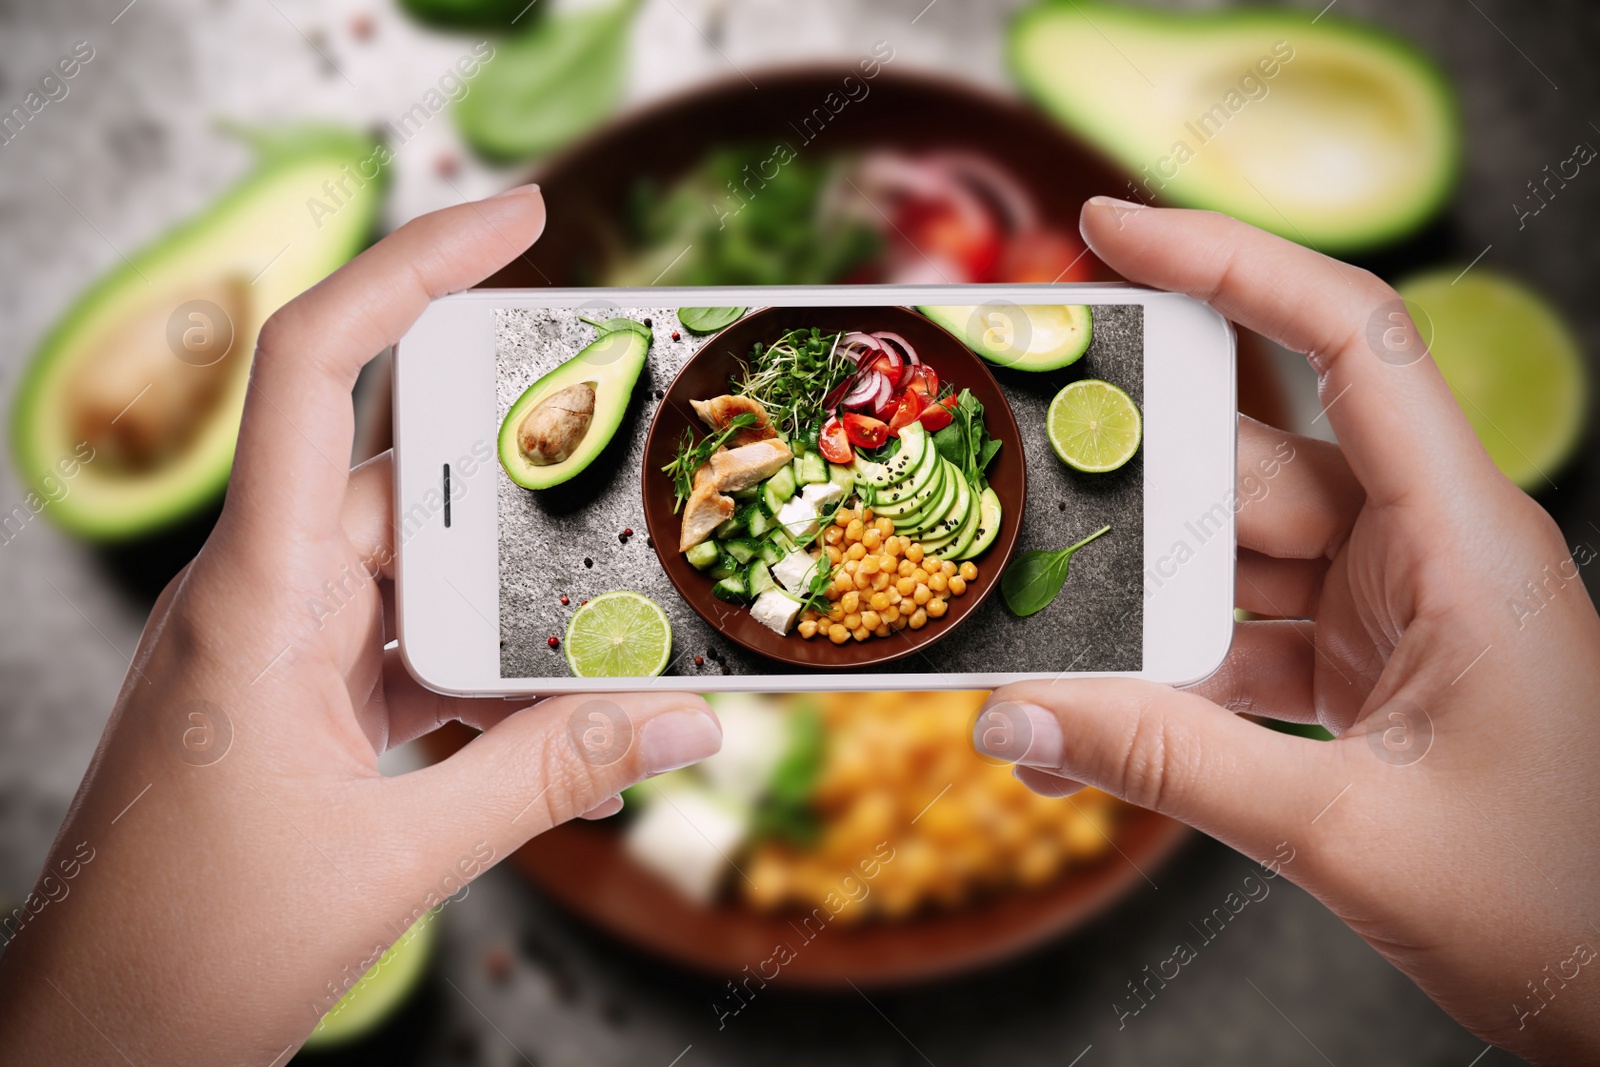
<point>1513,364</point>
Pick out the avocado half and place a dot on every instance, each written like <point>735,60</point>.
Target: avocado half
<point>141,383</point>
<point>1036,337</point>
<point>610,365</point>
<point>1330,133</point>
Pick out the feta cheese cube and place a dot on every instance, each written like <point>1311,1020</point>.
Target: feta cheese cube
<point>799,517</point>
<point>687,842</point>
<point>822,495</point>
<point>794,571</point>
<point>776,610</point>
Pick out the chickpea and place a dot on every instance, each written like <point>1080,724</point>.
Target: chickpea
<point>958,586</point>
<point>890,614</point>
<point>808,629</point>
<point>838,634</point>
<point>938,582</point>
<point>969,570</point>
<point>935,609</point>
<point>872,539</point>
<point>835,613</point>
<point>850,602</point>
<point>842,517</point>
<point>866,515</point>
<point>835,556</point>
<point>905,568</point>
<point>879,601</point>
<point>872,620</point>
<point>914,553</point>
<point>853,531</point>
<point>922,595</point>
<point>893,594</point>
<point>852,620</point>
<point>809,615</point>
<point>855,551</point>
<point>900,623</point>
<point>919,576</point>
<point>832,535</point>
<point>861,633</point>
<point>905,586</point>
<point>919,619</point>
<point>880,582</point>
<point>948,568</point>
<point>882,630</point>
<point>885,526</point>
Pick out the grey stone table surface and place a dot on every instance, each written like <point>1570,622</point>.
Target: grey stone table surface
<point>132,149</point>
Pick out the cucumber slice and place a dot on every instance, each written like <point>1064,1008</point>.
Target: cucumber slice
<point>813,469</point>
<point>770,552</point>
<point>742,551</point>
<point>761,522</point>
<point>750,493</point>
<point>703,555</point>
<point>759,579</point>
<point>731,588</point>
<point>781,538</point>
<point>842,476</point>
<point>728,528</point>
<point>777,490</point>
<point>725,567</point>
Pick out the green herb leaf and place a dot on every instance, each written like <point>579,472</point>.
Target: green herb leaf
<point>708,320</point>
<point>692,456</point>
<point>786,811</point>
<point>1034,578</point>
<point>792,377</point>
<point>548,84</point>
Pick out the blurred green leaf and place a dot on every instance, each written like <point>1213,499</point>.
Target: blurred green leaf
<point>549,84</point>
<point>471,14</point>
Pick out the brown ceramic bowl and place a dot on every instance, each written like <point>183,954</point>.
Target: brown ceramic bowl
<point>706,375</point>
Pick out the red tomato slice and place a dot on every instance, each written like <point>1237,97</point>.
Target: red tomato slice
<point>833,443</point>
<point>906,412</point>
<point>923,379</point>
<point>944,233</point>
<point>864,431</point>
<point>1044,256</point>
<point>936,417</point>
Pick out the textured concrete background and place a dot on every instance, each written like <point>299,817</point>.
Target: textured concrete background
<point>567,540</point>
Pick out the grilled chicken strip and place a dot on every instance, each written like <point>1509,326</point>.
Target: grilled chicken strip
<point>721,410</point>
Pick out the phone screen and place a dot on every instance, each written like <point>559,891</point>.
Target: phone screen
<point>760,491</point>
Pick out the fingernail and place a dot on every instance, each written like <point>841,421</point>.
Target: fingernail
<point>607,807</point>
<point>1115,204</point>
<point>531,189</point>
<point>1046,784</point>
<point>676,739</point>
<point>1021,733</point>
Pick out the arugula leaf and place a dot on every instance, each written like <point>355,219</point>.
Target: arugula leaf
<point>1035,578</point>
<point>708,320</point>
<point>691,456</point>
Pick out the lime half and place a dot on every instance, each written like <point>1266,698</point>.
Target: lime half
<point>1513,365</point>
<point>1094,426</point>
<point>619,635</point>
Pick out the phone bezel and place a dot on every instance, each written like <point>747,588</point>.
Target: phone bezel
<point>447,579</point>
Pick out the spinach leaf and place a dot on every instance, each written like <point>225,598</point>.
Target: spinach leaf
<point>1034,578</point>
<point>786,811</point>
<point>708,320</point>
<point>548,84</point>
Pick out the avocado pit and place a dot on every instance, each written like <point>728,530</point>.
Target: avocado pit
<point>554,427</point>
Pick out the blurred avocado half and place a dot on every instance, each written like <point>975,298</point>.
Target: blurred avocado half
<point>124,422</point>
<point>1334,134</point>
<point>373,1000</point>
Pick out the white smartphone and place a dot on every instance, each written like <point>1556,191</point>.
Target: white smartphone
<point>841,487</point>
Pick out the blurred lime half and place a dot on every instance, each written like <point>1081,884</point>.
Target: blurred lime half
<point>1514,366</point>
<point>619,635</point>
<point>379,992</point>
<point>1094,426</point>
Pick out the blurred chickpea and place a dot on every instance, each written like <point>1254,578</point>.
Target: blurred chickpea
<point>850,602</point>
<point>919,619</point>
<point>906,586</point>
<point>879,601</point>
<point>835,556</point>
<point>838,634</point>
<point>969,570</point>
<point>835,613</point>
<point>869,565</point>
<point>842,517</point>
<point>904,569</point>
<point>852,620</point>
<point>936,608</point>
<point>882,630</point>
<point>914,553</point>
<point>871,619</point>
<point>808,615</point>
<point>855,551</point>
<point>890,614</point>
<point>900,623</point>
<point>948,568</point>
<point>861,633</point>
<point>938,582</point>
<point>880,581</point>
<point>958,586</point>
<point>872,539</point>
<point>921,595</point>
<point>808,628</point>
<point>832,535</point>
<point>919,576</point>
<point>893,595</point>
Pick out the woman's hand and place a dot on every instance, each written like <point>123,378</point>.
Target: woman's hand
<point>233,854</point>
<point>1434,620</point>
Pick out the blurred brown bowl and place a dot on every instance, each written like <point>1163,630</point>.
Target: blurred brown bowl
<point>706,375</point>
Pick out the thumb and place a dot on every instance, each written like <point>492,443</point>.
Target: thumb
<point>1164,749</point>
<point>551,762</point>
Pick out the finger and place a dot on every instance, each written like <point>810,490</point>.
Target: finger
<point>295,439</point>
<point>552,762</point>
<point>368,516</point>
<point>1282,588</point>
<point>1396,420</point>
<point>1297,496</point>
<point>1269,671</point>
<point>1171,751</point>
<point>1044,783</point>
<point>414,710</point>
<point>605,809</point>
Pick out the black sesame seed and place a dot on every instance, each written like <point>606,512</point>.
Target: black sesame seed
<point>587,562</point>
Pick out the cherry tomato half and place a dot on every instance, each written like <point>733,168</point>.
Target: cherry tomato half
<point>864,431</point>
<point>936,417</point>
<point>923,379</point>
<point>833,443</point>
<point>906,412</point>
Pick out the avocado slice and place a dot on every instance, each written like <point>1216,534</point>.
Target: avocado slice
<point>564,420</point>
<point>1035,337</point>
<point>1331,133</point>
<point>141,381</point>
<point>988,524</point>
